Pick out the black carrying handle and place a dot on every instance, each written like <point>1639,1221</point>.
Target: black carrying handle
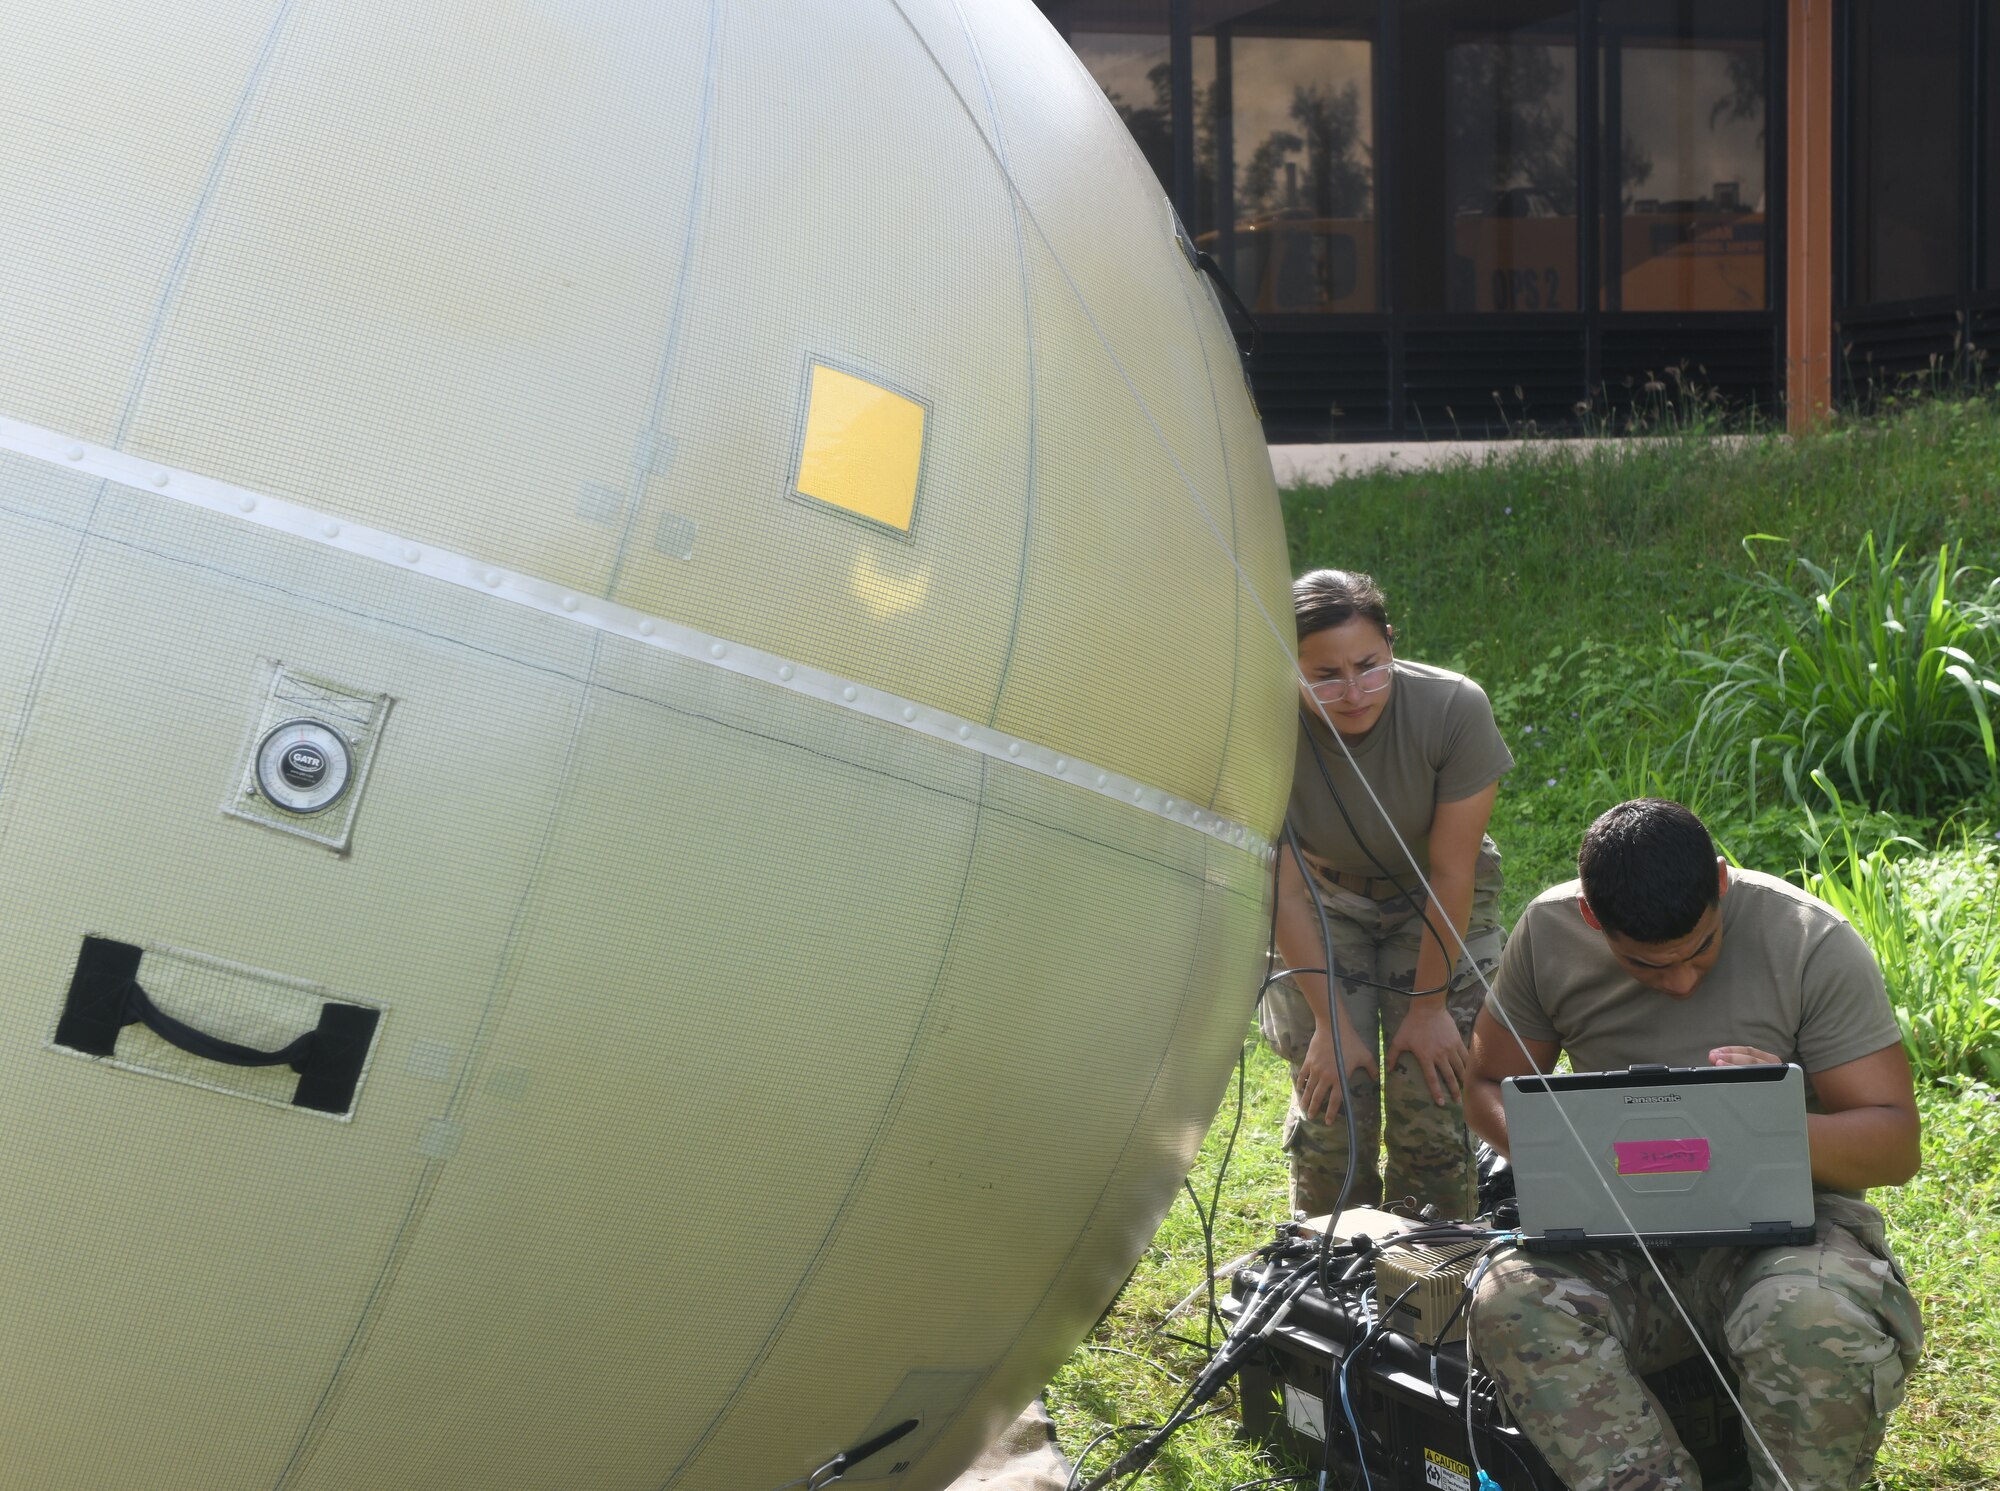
<point>837,1468</point>
<point>105,996</point>
<point>138,1007</point>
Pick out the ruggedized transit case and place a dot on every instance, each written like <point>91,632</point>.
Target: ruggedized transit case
<point>1407,1406</point>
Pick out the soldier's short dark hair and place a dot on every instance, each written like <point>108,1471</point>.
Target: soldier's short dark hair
<point>1648,870</point>
<point>1324,598</point>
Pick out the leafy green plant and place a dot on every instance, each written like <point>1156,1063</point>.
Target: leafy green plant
<point>1933,921</point>
<point>1880,678</point>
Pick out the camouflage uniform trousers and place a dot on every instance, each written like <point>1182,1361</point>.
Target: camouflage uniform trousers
<point>1430,1152</point>
<point>1820,1338</point>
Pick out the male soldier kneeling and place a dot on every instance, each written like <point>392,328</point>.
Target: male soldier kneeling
<point>1660,953</point>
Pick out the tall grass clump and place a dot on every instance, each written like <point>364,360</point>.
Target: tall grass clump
<point>1882,678</point>
<point>1933,921</point>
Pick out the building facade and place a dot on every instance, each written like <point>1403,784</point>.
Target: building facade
<point>1471,217</point>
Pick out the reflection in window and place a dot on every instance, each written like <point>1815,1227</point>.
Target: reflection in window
<point>1284,151</point>
<point>1488,108</point>
<point>1903,207</point>
<point>1124,45</point>
<point>1683,86</point>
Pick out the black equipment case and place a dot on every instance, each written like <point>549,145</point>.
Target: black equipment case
<point>1406,1401</point>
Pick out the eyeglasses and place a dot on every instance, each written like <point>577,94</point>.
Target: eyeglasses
<point>1367,681</point>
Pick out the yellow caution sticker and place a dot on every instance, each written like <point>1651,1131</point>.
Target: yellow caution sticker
<point>863,448</point>
<point>1445,1473</point>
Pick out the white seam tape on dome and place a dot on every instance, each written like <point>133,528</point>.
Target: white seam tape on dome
<point>568,605</point>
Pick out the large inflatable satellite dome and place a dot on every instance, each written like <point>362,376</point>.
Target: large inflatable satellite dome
<point>639,730</point>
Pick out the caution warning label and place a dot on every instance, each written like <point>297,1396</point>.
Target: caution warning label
<point>1445,1473</point>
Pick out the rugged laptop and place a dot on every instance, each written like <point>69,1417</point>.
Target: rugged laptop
<point>1697,1157</point>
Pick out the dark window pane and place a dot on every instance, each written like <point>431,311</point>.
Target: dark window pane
<point>1487,101</point>
<point>1285,150</point>
<point>1124,45</point>
<point>1989,188</point>
<point>1903,204</point>
<point>1684,143</point>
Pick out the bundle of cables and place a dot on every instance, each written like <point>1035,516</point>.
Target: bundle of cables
<point>1283,1271</point>
<point>1293,1264</point>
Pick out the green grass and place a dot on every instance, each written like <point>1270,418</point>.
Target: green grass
<point>1946,1228</point>
<point>1933,921</point>
<point>1504,564</point>
<point>1552,582</point>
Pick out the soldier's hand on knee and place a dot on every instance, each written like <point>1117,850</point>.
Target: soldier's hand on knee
<point>1430,1036</point>
<point>1318,1083</point>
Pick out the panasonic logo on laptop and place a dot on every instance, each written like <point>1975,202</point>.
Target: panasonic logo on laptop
<point>1656,1097</point>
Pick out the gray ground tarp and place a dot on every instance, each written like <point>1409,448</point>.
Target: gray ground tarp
<point>1025,1458</point>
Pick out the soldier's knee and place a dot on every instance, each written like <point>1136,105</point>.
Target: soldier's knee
<point>1820,1372</point>
<point>1795,1310</point>
<point>1427,1136</point>
<point>1799,1331</point>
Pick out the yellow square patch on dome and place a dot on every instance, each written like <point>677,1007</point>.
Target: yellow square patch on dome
<point>863,448</point>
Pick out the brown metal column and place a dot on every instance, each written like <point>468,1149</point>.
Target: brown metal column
<point>1809,341</point>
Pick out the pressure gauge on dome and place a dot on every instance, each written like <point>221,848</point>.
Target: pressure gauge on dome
<point>303,766</point>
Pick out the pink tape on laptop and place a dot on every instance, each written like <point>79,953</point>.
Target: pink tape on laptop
<point>1661,1156</point>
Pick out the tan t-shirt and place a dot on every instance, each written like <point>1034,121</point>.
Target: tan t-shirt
<point>1792,978</point>
<point>1435,742</point>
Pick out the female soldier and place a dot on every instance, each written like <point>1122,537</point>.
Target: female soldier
<point>1426,743</point>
